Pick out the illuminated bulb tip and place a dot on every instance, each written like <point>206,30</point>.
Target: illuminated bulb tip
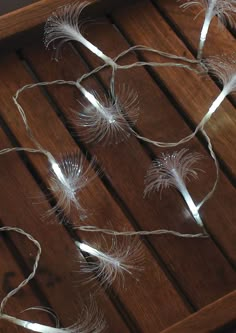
<point>83,247</point>
<point>87,248</point>
<point>57,170</point>
<point>198,219</point>
<point>34,327</point>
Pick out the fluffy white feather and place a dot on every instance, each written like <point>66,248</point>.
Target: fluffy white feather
<point>64,25</point>
<point>224,68</point>
<point>111,264</point>
<point>67,179</point>
<point>108,120</point>
<point>91,321</point>
<point>223,9</point>
<point>173,170</point>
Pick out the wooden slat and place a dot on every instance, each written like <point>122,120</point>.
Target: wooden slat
<point>219,40</point>
<point>123,159</point>
<point>144,25</point>
<point>189,24</point>
<point>156,116</point>
<point>200,287</point>
<point>50,132</point>
<point>27,17</point>
<point>218,317</point>
<point>23,205</point>
<point>30,18</point>
<point>9,6</point>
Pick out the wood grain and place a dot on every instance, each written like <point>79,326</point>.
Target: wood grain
<point>9,6</point>
<point>27,17</point>
<point>180,276</point>
<point>15,24</point>
<point>11,277</point>
<point>24,205</point>
<point>219,39</point>
<point>149,28</point>
<point>219,42</point>
<point>150,214</point>
<point>52,135</point>
<point>216,318</point>
<point>157,113</point>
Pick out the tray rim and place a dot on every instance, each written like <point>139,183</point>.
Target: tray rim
<point>28,17</point>
<point>212,318</point>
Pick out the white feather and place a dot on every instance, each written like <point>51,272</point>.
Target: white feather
<point>223,9</point>
<point>64,25</point>
<point>91,321</point>
<point>224,68</point>
<point>111,264</point>
<point>108,120</point>
<point>173,170</point>
<point>160,174</point>
<point>68,178</point>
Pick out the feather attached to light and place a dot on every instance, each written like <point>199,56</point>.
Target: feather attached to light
<point>111,265</point>
<point>67,179</point>
<point>223,9</point>
<point>172,170</point>
<point>109,120</point>
<point>65,25</point>
<point>91,319</point>
<point>224,69</point>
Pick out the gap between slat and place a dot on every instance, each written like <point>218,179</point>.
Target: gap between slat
<point>184,39</point>
<point>107,183</point>
<point>132,325</point>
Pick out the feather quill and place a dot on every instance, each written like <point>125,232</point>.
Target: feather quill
<point>64,25</point>
<point>173,170</point>
<point>223,9</point>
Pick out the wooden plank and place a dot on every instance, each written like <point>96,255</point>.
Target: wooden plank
<point>20,197</point>
<point>10,277</point>
<point>189,24</point>
<point>159,119</point>
<point>12,5</point>
<point>14,24</point>
<point>52,135</point>
<point>122,159</point>
<point>27,17</point>
<point>142,24</point>
<point>219,39</point>
<point>216,318</point>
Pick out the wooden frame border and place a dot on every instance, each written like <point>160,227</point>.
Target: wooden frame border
<point>28,17</point>
<point>15,24</point>
<point>218,317</point>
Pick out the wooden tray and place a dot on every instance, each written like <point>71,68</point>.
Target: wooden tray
<point>187,285</point>
<point>21,20</point>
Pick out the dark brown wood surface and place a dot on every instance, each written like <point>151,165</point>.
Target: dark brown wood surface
<point>9,6</point>
<point>210,319</point>
<point>20,20</point>
<point>26,16</point>
<point>142,21</point>
<point>11,276</point>
<point>179,276</point>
